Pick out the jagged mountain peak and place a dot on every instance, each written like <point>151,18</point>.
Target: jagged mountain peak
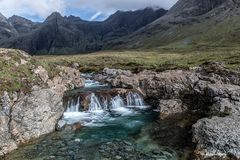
<point>54,16</point>
<point>190,22</point>
<point>3,18</point>
<point>191,8</point>
<point>60,34</point>
<point>18,20</point>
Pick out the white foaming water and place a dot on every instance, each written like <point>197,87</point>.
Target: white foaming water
<point>73,106</point>
<point>91,83</point>
<point>134,99</point>
<point>95,104</point>
<point>98,110</point>
<point>117,102</point>
<point>86,118</point>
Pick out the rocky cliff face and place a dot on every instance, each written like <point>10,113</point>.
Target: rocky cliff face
<point>191,8</point>
<point>22,25</point>
<point>29,114</point>
<point>6,28</point>
<point>73,35</point>
<point>208,91</point>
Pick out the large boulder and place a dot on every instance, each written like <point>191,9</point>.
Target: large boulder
<point>6,142</point>
<point>32,116</point>
<point>169,84</point>
<point>36,114</point>
<point>224,98</point>
<point>217,138</point>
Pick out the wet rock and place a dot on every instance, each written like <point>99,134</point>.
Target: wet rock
<point>118,157</point>
<point>60,125</point>
<point>77,126</point>
<point>72,127</point>
<point>156,152</point>
<point>77,140</point>
<point>123,150</point>
<point>127,143</point>
<point>217,138</point>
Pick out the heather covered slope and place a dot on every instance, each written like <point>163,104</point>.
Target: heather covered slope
<point>190,24</point>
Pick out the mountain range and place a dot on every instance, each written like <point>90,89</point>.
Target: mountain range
<point>58,34</point>
<point>188,23</point>
<point>191,23</point>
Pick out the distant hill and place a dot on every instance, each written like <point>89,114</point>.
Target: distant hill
<point>189,23</point>
<point>65,35</point>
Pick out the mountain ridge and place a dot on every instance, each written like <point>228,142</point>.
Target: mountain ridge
<point>58,34</point>
<point>187,24</point>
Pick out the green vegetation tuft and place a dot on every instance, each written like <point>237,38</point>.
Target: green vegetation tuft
<point>14,75</point>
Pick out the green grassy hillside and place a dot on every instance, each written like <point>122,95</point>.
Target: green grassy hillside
<point>214,29</point>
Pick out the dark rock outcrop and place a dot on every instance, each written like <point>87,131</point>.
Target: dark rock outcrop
<point>210,90</point>
<point>217,138</point>
<point>27,115</point>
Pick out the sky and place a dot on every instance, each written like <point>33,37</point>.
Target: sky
<point>97,10</point>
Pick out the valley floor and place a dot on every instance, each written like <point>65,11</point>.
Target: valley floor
<point>157,60</point>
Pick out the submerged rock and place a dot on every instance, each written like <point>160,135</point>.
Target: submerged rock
<point>121,149</point>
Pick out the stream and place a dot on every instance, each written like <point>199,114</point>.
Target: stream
<point>100,124</point>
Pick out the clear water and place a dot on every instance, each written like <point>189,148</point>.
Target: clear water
<point>121,133</point>
<point>101,128</point>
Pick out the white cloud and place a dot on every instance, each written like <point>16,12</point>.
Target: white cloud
<point>43,8</point>
<point>113,5</point>
<point>95,16</point>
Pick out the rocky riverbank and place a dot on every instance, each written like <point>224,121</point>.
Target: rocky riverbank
<point>210,92</point>
<point>205,101</point>
<point>28,114</point>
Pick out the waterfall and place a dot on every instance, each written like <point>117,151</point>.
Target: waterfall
<point>95,104</point>
<point>73,106</point>
<point>105,104</point>
<point>134,99</point>
<point>102,103</point>
<point>117,102</point>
